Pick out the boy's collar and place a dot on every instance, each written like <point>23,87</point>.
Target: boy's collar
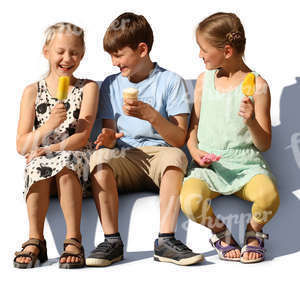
<point>151,74</point>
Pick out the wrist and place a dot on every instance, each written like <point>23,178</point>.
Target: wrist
<point>153,115</point>
<point>112,144</point>
<point>47,127</point>
<point>252,121</point>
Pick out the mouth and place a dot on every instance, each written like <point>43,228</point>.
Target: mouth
<point>65,68</point>
<point>123,69</point>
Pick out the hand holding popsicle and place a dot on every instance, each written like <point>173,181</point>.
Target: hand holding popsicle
<point>63,88</point>
<point>58,114</point>
<point>248,85</point>
<point>247,106</point>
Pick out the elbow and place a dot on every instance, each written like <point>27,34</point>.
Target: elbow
<point>180,143</point>
<point>264,149</point>
<point>84,142</point>
<point>20,149</point>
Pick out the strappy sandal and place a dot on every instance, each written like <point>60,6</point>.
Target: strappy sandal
<point>260,237</point>
<point>215,241</point>
<point>80,255</point>
<point>36,259</point>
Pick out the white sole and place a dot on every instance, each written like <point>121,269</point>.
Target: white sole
<point>182,262</point>
<point>97,262</point>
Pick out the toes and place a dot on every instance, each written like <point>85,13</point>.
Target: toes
<point>62,260</point>
<point>246,256</point>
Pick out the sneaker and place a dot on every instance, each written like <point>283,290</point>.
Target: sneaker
<point>105,254</point>
<point>174,251</point>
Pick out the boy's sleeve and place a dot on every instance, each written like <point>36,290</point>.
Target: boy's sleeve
<point>178,99</point>
<point>105,107</point>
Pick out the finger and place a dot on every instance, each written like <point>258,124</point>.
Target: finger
<point>119,135</point>
<point>132,102</point>
<point>98,145</point>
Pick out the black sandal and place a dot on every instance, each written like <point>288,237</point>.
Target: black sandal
<point>36,259</point>
<point>80,255</point>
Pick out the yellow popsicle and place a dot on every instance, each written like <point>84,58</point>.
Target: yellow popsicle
<point>63,87</point>
<point>248,85</point>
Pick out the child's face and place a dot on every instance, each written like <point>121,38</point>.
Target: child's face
<point>213,57</point>
<point>127,60</point>
<point>64,53</point>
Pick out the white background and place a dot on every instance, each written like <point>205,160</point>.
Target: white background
<point>272,50</point>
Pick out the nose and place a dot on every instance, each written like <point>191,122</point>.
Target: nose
<point>114,60</point>
<point>67,56</point>
<point>201,54</point>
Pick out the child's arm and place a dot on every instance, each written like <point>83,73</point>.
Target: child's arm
<point>173,131</point>
<point>192,140</point>
<point>27,139</point>
<point>86,120</point>
<point>257,116</point>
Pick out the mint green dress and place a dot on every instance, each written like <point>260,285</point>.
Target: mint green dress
<point>223,132</point>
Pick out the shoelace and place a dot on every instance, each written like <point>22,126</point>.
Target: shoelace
<point>180,246</point>
<point>106,246</point>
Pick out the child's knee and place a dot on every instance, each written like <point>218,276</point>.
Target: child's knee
<point>194,201</point>
<point>268,197</point>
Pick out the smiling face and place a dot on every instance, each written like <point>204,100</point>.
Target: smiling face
<point>64,53</point>
<point>129,61</point>
<point>213,57</point>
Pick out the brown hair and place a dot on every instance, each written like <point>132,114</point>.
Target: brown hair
<point>222,29</point>
<point>129,30</point>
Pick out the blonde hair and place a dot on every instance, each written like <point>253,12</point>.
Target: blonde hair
<point>63,27</point>
<point>222,29</point>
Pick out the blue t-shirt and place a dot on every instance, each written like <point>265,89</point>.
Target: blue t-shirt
<point>165,91</point>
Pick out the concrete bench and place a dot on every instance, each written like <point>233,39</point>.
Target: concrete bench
<point>139,212</point>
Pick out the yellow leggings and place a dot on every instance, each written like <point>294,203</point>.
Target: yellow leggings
<point>260,190</point>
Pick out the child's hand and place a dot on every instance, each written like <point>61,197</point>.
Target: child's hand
<point>198,155</point>
<point>138,109</point>
<point>247,110</point>
<point>35,153</point>
<point>57,116</point>
<point>107,138</point>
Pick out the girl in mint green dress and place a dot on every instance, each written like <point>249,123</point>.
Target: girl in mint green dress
<point>228,131</point>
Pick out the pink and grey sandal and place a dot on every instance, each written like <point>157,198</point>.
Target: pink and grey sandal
<point>260,237</point>
<point>215,241</point>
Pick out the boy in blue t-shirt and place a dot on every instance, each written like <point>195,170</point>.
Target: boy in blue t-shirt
<point>138,136</point>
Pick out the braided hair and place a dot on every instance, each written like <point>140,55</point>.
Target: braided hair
<point>222,29</point>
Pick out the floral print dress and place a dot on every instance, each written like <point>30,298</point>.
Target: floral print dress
<point>49,165</point>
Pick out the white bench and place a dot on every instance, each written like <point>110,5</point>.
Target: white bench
<point>139,212</point>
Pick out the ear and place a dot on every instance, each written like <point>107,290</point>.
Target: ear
<point>46,52</point>
<point>142,49</point>
<point>228,51</point>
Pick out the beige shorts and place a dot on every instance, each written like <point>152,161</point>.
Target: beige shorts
<point>138,169</point>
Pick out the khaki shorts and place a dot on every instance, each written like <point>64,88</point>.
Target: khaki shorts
<point>138,169</point>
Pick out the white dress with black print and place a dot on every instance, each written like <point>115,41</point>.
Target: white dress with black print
<point>49,165</point>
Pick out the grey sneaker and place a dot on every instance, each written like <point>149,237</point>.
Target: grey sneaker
<point>174,251</point>
<point>105,254</point>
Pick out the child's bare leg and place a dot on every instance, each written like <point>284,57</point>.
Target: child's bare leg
<point>37,205</point>
<point>106,198</point>
<point>169,199</point>
<point>70,195</point>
